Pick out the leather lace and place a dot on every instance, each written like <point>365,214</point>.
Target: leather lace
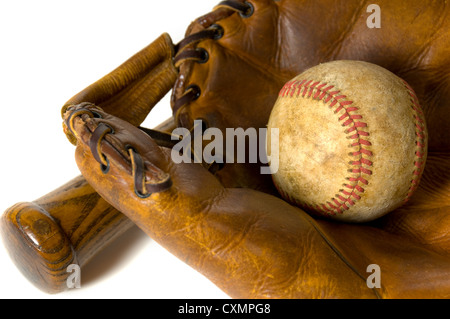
<point>144,184</point>
<point>186,50</point>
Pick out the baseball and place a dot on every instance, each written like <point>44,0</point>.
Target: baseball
<point>352,141</point>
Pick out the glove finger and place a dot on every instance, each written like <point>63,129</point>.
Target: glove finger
<point>133,88</point>
<point>107,142</point>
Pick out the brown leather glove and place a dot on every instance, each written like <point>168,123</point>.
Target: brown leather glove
<point>232,226</point>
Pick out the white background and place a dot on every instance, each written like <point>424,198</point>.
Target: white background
<point>49,51</point>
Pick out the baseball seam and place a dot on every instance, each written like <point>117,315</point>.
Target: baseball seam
<point>420,153</point>
<point>356,130</point>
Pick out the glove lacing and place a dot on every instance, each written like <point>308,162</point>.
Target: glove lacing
<point>186,50</point>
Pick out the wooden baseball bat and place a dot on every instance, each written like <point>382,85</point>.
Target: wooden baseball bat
<point>66,227</point>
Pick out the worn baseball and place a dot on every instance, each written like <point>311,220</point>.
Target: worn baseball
<point>352,141</point>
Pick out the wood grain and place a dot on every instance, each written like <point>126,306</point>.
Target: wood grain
<point>69,225</point>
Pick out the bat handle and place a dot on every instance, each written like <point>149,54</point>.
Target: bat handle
<point>65,227</point>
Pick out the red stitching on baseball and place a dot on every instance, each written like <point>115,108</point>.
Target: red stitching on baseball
<point>361,179</point>
<point>420,141</point>
<point>305,88</point>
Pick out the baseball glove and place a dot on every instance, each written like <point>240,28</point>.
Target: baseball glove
<point>227,221</point>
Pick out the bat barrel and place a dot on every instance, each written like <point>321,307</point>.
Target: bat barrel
<point>38,246</point>
<point>66,227</point>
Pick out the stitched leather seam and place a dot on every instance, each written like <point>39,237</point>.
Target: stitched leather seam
<point>339,254</point>
<point>356,130</point>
